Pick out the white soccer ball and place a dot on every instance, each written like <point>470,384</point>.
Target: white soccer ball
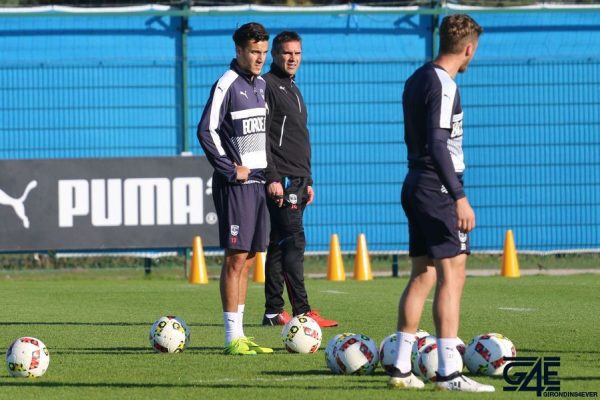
<point>302,334</point>
<point>387,352</point>
<point>428,361</point>
<point>357,354</point>
<point>331,352</point>
<point>28,357</point>
<point>169,334</point>
<point>485,354</point>
<point>422,340</point>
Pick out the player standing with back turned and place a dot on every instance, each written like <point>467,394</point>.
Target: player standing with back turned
<point>439,214</point>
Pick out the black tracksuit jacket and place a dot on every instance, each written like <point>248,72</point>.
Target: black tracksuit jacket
<point>288,145</point>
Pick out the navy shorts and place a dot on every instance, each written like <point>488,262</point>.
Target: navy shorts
<point>243,215</point>
<point>432,223</point>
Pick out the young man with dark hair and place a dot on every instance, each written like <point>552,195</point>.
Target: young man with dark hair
<point>289,184</point>
<point>232,134</point>
<point>439,214</point>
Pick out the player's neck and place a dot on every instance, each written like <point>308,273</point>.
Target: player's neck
<point>450,63</point>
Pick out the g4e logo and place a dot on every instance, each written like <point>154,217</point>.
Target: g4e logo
<point>531,374</point>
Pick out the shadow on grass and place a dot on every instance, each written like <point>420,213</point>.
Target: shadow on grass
<point>200,385</point>
<point>104,323</point>
<point>129,350</point>
<point>538,351</point>
<point>321,372</point>
<point>579,378</point>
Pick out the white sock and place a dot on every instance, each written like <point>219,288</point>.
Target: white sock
<point>230,320</point>
<point>403,351</point>
<point>448,356</point>
<point>240,324</point>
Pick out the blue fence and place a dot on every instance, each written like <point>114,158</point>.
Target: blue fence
<point>111,86</point>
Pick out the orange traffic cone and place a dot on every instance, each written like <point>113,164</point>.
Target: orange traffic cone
<point>510,263</point>
<point>335,264</point>
<point>198,268</point>
<point>362,262</point>
<point>259,267</point>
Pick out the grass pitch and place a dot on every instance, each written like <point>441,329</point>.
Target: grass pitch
<point>96,323</point>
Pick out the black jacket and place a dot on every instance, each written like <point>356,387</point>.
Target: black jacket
<point>288,144</point>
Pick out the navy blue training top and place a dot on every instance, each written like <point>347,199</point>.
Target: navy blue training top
<point>433,129</point>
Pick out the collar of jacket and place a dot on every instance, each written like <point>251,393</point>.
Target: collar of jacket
<point>278,72</point>
<point>244,74</point>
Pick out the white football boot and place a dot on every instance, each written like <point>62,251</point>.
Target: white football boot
<point>408,380</point>
<point>459,382</point>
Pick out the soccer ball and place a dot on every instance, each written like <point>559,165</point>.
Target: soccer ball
<point>428,361</point>
<point>485,353</point>
<point>387,352</point>
<point>423,339</point>
<point>357,354</point>
<point>302,334</point>
<point>169,334</point>
<point>28,357</point>
<point>331,352</point>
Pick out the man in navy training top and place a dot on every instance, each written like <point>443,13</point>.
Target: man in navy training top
<point>438,212</point>
<point>232,134</point>
<point>289,184</point>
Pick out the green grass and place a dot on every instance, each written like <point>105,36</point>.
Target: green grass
<point>95,324</point>
<point>313,264</point>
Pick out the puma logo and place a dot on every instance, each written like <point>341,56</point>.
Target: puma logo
<point>18,204</point>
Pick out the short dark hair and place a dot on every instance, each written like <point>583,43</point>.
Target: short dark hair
<point>456,31</point>
<point>284,37</point>
<point>250,32</point>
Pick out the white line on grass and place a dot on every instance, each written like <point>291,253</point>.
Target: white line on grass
<point>518,309</point>
<point>333,292</point>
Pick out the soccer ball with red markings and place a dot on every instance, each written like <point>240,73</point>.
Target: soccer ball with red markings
<point>331,351</point>
<point>27,357</point>
<point>357,355</point>
<point>485,354</point>
<point>427,361</point>
<point>302,334</point>
<point>169,334</point>
<point>423,339</point>
<point>389,348</point>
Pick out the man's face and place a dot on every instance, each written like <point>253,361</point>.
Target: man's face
<point>289,57</point>
<point>252,57</point>
<point>471,53</point>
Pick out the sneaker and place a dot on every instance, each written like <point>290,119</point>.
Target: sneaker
<point>280,319</point>
<point>408,380</point>
<point>459,382</point>
<point>255,347</point>
<point>323,323</point>
<point>239,347</point>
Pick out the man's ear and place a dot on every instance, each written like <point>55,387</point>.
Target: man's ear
<point>238,50</point>
<point>469,49</point>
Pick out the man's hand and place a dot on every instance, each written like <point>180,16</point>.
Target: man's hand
<point>311,194</point>
<point>241,173</point>
<point>275,191</point>
<point>465,214</point>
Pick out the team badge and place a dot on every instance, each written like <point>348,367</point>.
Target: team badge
<point>235,229</point>
<point>292,198</point>
<point>462,236</point>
